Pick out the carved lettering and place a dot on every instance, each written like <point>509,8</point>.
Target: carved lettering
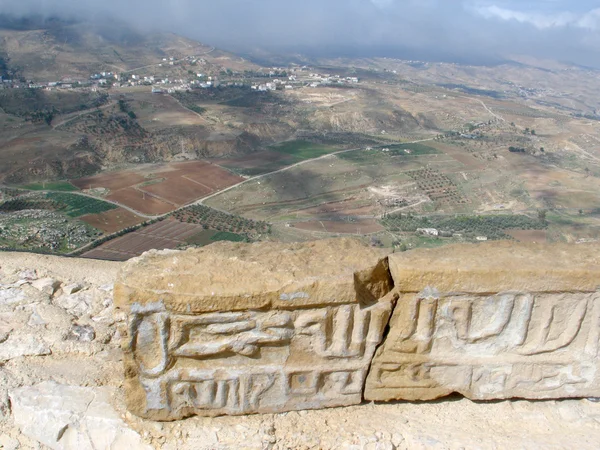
<point>498,346</point>
<point>244,362</point>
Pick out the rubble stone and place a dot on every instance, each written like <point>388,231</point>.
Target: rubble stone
<point>71,418</point>
<point>81,333</point>
<point>46,285</point>
<point>22,345</point>
<point>72,288</point>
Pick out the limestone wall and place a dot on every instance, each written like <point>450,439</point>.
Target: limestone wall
<point>237,329</point>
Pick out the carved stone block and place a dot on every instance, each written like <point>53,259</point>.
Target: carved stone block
<point>238,329</point>
<point>492,321</point>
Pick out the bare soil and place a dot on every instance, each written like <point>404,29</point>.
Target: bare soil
<point>167,234</point>
<point>536,236</point>
<point>142,202</point>
<point>113,220</point>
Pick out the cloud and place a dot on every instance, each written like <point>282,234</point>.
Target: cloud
<point>589,20</point>
<point>463,30</point>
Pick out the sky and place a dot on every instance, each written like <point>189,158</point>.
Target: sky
<point>450,30</point>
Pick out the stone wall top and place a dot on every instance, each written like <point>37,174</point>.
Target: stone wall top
<point>235,277</point>
<point>499,266</point>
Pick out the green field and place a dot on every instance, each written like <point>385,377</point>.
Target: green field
<point>64,186</point>
<point>203,238</point>
<point>207,237</point>
<point>227,236</point>
<point>302,150</point>
<point>78,205</point>
<point>417,149</point>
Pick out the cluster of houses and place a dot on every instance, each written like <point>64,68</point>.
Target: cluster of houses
<point>434,232</point>
<point>332,79</point>
<point>283,79</point>
<point>314,80</point>
<point>6,83</point>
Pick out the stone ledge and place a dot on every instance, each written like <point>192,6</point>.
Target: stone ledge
<point>238,329</point>
<point>238,277</point>
<point>498,266</point>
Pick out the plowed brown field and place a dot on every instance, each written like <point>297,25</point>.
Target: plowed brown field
<point>113,220</point>
<point>165,188</point>
<point>142,202</point>
<point>167,234</point>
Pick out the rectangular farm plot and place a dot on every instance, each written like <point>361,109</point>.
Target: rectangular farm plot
<point>178,190</point>
<point>209,175</point>
<point>168,234</point>
<point>112,181</point>
<point>302,150</point>
<point>140,201</point>
<point>257,163</point>
<point>191,181</point>
<point>112,221</point>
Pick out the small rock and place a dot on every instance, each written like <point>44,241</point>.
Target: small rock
<point>397,439</point>
<point>72,418</point>
<point>77,304</point>
<point>81,333</point>
<point>28,275</point>
<point>46,285</point>
<point>35,319</point>
<point>72,288</point>
<point>22,345</point>
<point>11,296</point>
<point>107,287</point>
<point>8,443</point>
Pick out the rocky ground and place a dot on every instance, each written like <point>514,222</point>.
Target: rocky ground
<point>61,388</point>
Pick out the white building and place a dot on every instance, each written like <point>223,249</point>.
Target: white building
<point>428,231</point>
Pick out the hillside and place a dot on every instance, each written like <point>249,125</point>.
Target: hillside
<point>42,50</point>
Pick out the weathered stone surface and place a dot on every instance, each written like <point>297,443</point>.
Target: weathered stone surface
<point>236,329</point>
<point>72,288</point>
<point>238,277</point>
<point>72,418</point>
<point>492,321</point>
<point>16,346</point>
<point>499,266</point>
<point>8,443</point>
<point>46,285</point>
